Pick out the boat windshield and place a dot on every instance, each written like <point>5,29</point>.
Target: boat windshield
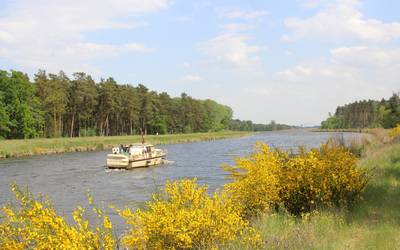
<point>136,150</point>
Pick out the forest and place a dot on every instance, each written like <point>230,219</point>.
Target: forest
<point>55,105</point>
<point>366,114</point>
<point>240,125</point>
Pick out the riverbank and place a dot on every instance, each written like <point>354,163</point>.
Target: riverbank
<point>374,131</point>
<point>18,148</point>
<point>373,223</point>
<point>353,130</point>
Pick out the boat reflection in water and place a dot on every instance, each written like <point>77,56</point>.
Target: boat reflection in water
<point>135,156</point>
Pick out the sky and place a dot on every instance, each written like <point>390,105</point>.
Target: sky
<point>292,61</point>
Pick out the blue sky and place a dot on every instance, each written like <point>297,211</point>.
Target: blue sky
<point>292,61</point>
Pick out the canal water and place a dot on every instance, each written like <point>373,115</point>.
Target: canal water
<point>66,178</point>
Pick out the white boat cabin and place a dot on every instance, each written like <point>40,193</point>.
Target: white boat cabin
<point>134,149</point>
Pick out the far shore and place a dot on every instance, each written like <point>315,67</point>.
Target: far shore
<point>351,130</point>
<point>44,146</point>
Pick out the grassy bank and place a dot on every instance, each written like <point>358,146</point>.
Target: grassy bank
<point>17,148</point>
<point>373,224</point>
<point>353,130</point>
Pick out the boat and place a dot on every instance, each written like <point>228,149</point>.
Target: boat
<point>135,156</point>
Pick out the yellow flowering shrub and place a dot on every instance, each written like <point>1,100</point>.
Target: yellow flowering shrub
<point>300,182</point>
<point>34,224</point>
<point>255,184</point>
<point>395,132</point>
<point>184,216</point>
<point>325,176</point>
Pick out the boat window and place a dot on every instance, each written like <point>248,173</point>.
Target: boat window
<point>135,151</point>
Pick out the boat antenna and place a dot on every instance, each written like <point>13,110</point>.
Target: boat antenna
<point>141,131</point>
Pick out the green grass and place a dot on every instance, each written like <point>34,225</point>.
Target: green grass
<point>16,148</point>
<point>373,224</point>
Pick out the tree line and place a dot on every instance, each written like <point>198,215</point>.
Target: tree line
<point>239,125</point>
<point>366,114</point>
<point>55,105</point>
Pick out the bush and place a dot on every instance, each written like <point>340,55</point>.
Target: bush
<point>394,133</point>
<point>300,182</point>
<point>255,184</point>
<point>34,224</point>
<point>320,177</point>
<point>183,216</point>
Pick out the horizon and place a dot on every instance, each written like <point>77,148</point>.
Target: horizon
<point>292,61</point>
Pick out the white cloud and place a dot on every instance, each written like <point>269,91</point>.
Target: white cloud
<point>6,37</point>
<point>297,71</point>
<point>230,13</point>
<point>192,78</point>
<point>342,20</point>
<point>320,72</point>
<point>137,47</point>
<point>363,56</point>
<point>237,27</point>
<point>368,70</point>
<point>313,3</point>
<point>232,50</point>
<point>186,64</point>
<point>357,63</point>
<point>346,75</point>
<point>51,34</point>
<point>379,66</point>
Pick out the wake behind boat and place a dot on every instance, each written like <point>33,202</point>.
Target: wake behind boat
<point>135,156</point>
